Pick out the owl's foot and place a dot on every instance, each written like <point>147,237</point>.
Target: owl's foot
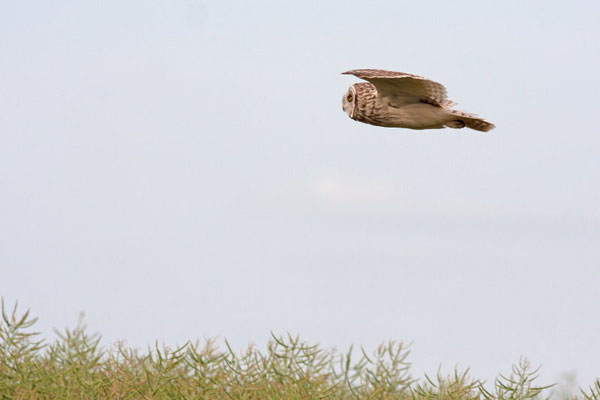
<point>456,124</point>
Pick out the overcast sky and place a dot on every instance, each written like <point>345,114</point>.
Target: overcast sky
<point>181,169</point>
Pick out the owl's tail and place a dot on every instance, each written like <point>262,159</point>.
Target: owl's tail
<point>472,121</point>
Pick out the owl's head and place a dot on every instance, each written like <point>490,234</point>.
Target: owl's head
<point>349,101</point>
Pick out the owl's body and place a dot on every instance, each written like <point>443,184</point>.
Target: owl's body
<point>396,99</point>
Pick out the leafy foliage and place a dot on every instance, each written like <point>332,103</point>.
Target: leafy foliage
<point>75,366</point>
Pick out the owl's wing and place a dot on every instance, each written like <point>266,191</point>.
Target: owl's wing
<point>402,86</point>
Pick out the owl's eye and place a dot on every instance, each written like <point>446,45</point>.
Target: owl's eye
<point>349,98</point>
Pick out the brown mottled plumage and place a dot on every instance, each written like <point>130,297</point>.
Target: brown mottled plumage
<point>397,99</point>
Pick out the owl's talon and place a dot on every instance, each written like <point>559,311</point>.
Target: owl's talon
<point>456,124</point>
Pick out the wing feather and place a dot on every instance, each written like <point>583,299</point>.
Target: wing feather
<point>396,85</point>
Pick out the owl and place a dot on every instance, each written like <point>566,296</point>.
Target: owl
<point>400,100</point>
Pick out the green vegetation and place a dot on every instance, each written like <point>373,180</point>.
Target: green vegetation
<point>76,367</point>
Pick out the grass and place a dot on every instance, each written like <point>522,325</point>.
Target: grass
<point>75,366</point>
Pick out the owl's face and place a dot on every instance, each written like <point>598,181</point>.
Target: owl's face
<point>349,101</point>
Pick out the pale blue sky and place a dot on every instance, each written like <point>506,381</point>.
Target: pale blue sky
<point>183,169</point>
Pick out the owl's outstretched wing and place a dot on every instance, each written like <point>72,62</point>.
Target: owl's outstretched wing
<point>402,86</point>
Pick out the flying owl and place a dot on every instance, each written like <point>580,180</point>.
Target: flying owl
<point>397,99</point>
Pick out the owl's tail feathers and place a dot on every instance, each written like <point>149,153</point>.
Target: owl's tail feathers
<point>470,121</point>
